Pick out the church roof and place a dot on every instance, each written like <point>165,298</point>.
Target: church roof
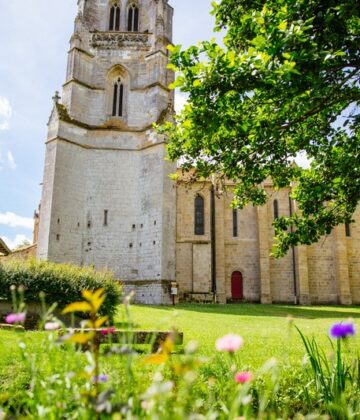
<point>4,250</point>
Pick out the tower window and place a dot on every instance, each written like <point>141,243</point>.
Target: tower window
<point>347,230</point>
<point>235,223</point>
<point>199,215</point>
<point>276,209</point>
<point>114,24</point>
<point>133,18</point>
<point>118,98</point>
<point>106,213</point>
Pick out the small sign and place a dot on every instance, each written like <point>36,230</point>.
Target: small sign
<point>174,291</point>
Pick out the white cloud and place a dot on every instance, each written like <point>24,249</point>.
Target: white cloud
<point>11,161</point>
<point>18,240</point>
<point>13,220</point>
<point>5,113</point>
<point>180,101</point>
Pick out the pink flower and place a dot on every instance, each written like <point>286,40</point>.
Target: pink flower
<point>107,331</point>
<point>52,326</point>
<point>229,343</point>
<point>243,377</point>
<point>15,318</point>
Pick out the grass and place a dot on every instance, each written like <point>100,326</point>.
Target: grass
<point>265,329</point>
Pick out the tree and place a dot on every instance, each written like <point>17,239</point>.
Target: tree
<point>23,244</point>
<point>284,82</point>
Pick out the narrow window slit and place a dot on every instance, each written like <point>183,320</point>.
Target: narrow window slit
<point>199,216</point>
<point>235,223</point>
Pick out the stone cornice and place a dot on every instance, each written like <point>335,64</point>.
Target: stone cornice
<point>112,124</point>
<point>89,147</point>
<point>79,82</point>
<point>82,51</point>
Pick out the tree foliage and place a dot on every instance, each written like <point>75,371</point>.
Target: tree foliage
<point>284,82</point>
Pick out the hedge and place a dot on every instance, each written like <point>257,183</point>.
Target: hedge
<point>61,283</point>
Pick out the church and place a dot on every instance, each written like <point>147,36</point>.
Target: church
<point>108,199</point>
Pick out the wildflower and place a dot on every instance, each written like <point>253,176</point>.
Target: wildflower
<point>107,331</point>
<point>102,378</point>
<point>342,330</point>
<point>15,318</point>
<point>243,377</point>
<point>229,343</point>
<point>52,326</point>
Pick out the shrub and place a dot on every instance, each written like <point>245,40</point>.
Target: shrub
<point>61,283</point>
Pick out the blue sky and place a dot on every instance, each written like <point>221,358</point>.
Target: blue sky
<point>34,42</point>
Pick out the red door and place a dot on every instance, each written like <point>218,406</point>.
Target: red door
<point>237,285</point>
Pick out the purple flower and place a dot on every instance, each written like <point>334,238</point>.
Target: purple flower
<point>342,330</point>
<point>102,379</point>
<point>15,318</point>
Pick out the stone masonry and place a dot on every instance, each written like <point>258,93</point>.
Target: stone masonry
<point>325,273</point>
<point>108,200</point>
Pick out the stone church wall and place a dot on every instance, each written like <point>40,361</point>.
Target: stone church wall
<point>327,272</point>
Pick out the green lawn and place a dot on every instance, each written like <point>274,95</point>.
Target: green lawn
<point>265,328</point>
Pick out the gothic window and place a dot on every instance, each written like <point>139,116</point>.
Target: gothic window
<point>133,18</point>
<point>114,24</point>
<point>276,209</point>
<point>118,98</point>
<point>347,230</point>
<point>235,223</point>
<point>199,215</point>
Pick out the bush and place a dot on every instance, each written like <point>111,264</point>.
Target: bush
<point>61,283</point>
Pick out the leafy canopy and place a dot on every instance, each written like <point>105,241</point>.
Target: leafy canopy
<point>285,81</point>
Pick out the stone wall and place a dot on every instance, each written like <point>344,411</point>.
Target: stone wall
<point>327,272</point>
<point>107,199</point>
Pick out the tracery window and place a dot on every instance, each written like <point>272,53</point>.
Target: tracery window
<point>114,24</point>
<point>276,209</point>
<point>118,98</point>
<point>133,18</point>
<point>199,215</point>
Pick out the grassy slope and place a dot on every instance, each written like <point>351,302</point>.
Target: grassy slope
<point>265,328</point>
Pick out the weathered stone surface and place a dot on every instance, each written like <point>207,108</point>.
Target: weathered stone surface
<point>97,163</point>
<point>326,273</point>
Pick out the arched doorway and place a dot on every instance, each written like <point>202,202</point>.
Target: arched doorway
<point>237,291</point>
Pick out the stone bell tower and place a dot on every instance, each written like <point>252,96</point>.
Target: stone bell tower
<point>107,198</point>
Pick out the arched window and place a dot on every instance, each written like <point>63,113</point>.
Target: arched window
<point>276,209</point>
<point>133,18</point>
<point>118,98</point>
<point>114,24</point>
<point>199,216</point>
<point>235,223</point>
